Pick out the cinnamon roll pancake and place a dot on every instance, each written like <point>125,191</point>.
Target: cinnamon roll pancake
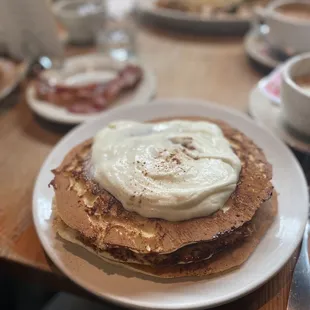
<point>170,198</point>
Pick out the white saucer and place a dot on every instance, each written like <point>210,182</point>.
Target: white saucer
<point>131,289</point>
<point>268,114</point>
<point>259,51</point>
<point>97,68</point>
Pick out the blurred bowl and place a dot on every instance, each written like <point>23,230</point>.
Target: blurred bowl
<point>81,18</point>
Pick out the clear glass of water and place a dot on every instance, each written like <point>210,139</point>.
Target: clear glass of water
<point>118,38</point>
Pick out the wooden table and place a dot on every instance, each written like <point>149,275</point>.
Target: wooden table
<point>215,69</point>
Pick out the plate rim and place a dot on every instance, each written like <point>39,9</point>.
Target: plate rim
<point>142,305</point>
<point>21,69</point>
<point>249,38</point>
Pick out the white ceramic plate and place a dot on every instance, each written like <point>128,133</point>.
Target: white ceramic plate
<point>190,21</point>
<point>96,67</point>
<point>134,290</point>
<point>269,115</point>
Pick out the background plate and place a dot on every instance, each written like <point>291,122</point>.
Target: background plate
<point>132,289</point>
<point>191,22</point>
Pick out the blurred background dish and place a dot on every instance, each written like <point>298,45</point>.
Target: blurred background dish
<point>213,8</point>
<point>87,85</point>
<point>231,17</point>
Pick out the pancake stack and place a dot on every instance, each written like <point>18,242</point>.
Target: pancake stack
<point>87,215</point>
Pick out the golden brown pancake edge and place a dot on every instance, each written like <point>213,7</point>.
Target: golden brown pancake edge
<point>225,261</point>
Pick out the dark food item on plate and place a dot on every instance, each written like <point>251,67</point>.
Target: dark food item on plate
<point>92,97</point>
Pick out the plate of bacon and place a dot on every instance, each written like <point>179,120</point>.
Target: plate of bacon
<point>88,85</point>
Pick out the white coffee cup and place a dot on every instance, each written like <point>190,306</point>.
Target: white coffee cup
<point>291,35</point>
<point>295,100</point>
<point>81,18</point>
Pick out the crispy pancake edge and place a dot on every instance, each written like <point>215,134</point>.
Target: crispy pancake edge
<point>225,261</point>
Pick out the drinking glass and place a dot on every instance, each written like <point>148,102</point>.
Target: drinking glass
<point>118,38</point>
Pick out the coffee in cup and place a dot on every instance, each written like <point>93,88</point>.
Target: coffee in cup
<point>303,82</point>
<point>295,11</point>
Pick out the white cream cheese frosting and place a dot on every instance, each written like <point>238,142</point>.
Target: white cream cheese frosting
<point>174,170</point>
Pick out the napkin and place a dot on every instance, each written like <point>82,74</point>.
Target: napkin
<point>29,29</point>
<point>271,85</point>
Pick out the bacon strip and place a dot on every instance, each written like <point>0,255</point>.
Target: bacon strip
<point>89,98</point>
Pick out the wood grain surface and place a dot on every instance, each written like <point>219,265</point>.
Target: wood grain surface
<point>214,69</point>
